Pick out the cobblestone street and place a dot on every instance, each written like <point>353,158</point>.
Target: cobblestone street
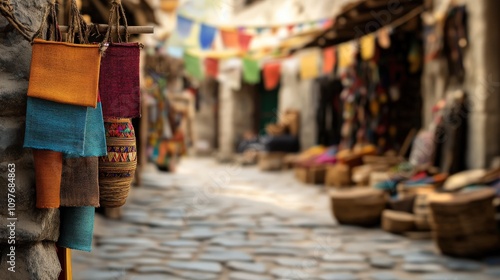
<point>214,221</point>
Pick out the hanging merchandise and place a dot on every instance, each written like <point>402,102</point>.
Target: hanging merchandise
<point>117,169</point>
<point>230,38</point>
<point>184,26</point>
<point>272,73</point>
<point>79,184</point>
<point>309,65</point>
<point>207,36</point>
<point>251,71</point>
<point>367,46</point>
<point>48,170</point>
<point>329,60</point>
<point>192,65</point>
<point>66,73</point>
<point>77,228</point>
<point>119,78</point>
<point>212,67</point>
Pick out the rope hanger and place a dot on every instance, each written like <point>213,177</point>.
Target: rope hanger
<point>7,11</point>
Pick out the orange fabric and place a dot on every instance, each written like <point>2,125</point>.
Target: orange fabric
<point>48,171</point>
<point>329,60</point>
<point>230,38</point>
<point>272,72</point>
<point>65,73</point>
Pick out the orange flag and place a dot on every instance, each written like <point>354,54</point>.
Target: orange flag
<point>230,38</point>
<point>329,60</point>
<point>272,73</point>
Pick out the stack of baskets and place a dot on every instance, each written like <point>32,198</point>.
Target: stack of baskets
<point>464,224</point>
<point>358,206</point>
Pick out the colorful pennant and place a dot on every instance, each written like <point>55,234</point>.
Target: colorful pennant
<point>367,46</point>
<point>193,66</point>
<point>212,67</point>
<point>309,65</point>
<point>244,40</point>
<point>230,38</point>
<point>272,74</point>
<point>207,36</point>
<point>184,26</point>
<point>251,71</point>
<point>329,60</point>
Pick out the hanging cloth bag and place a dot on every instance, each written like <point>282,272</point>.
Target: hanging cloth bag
<point>119,78</point>
<point>64,72</point>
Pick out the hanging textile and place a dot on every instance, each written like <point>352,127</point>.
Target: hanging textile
<point>193,66</point>
<point>207,36</point>
<point>77,228</point>
<point>230,38</point>
<point>251,71</point>
<point>329,60</point>
<point>272,73</point>
<point>95,139</point>
<point>309,65</point>
<point>184,26</point>
<point>48,170</point>
<point>79,183</point>
<point>384,37</point>
<point>55,126</point>
<point>212,67</point>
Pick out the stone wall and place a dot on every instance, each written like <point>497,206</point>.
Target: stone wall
<point>36,230</point>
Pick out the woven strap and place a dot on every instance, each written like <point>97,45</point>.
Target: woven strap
<point>77,25</point>
<point>7,11</point>
<point>116,14</point>
<point>49,28</point>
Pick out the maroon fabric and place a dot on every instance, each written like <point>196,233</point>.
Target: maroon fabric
<point>119,81</point>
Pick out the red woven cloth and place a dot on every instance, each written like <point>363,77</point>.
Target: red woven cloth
<point>119,81</point>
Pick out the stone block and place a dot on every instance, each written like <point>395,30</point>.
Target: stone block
<point>33,261</point>
<point>11,142</point>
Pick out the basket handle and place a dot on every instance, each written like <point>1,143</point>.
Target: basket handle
<point>77,25</point>
<point>116,14</point>
<point>49,28</point>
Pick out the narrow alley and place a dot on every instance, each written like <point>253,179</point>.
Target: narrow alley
<point>215,221</point>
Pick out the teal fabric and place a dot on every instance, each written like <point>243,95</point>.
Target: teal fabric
<point>95,136</point>
<point>55,126</point>
<point>77,228</point>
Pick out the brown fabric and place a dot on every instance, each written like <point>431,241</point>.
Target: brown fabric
<point>48,170</point>
<point>79,185</point>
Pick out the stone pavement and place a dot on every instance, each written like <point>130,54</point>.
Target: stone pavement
<point>212,221</point>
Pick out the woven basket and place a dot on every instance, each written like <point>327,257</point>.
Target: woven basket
<point>397,222</point>
<point>464,224</point>
<point>359,206</point>
<point>117,169</point>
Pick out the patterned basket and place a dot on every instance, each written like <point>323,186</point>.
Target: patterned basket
<point>117,169</point>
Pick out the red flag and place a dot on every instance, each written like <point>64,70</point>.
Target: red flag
<point>328,23</point>
<point>212,67</point>
<point>329,60</point>
<point>230,38</point>
<point>245,40</point>
<point>272,73</point>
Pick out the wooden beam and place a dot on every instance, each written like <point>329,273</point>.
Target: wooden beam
<point>131,29</point>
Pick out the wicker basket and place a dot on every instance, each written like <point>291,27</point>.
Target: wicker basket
<point>397,222</point>
<point>358,206</point>
<point>464,224</point>
<point>117,169</point>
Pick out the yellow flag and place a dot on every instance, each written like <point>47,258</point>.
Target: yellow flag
<point>367,45</point>
<point>309,65</point>
<point>347,51</point>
